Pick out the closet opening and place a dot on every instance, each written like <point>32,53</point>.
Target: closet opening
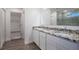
<point>15,26</point>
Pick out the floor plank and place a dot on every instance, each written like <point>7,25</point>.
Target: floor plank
<point>18,44</point>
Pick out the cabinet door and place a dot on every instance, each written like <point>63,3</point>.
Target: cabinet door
<point>42,40</point>
<point>58,43</point>
<point>36,37</point>
<point>64,44</point>
<point>51,42</point>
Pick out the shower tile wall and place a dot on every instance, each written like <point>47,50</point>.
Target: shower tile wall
<point>15,25</point>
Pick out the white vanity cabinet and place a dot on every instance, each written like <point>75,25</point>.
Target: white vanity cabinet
<point>51,42</point>
<point>54,43</point>
<point>42,40</point>
<point>58,43</point>
<point>64,44</point>
<point>36,37</point>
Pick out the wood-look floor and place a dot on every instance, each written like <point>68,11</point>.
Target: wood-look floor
<point>18,44</point>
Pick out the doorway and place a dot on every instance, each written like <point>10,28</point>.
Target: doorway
<point>15,25</point>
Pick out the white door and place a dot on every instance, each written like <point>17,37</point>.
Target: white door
<point>2,27</point>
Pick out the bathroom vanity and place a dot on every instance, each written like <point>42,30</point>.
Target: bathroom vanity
<point>56,37</point>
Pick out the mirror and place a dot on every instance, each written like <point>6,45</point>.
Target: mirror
<point>68,16</point>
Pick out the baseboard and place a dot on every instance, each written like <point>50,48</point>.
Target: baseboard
<point>8,39</point>
<point>28,42</point>
<point>1,45</point>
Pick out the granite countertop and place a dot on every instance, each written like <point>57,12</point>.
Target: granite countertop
<point>67,36</point>
<point>69,28</point>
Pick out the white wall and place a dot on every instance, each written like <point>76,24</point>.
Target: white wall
<point>35,17</point>
<point>8,25</point>
<point>30,17</point>
<point>45,16</point>
<point>2,27</point>
<point>22,24</point>
<point>8,19</point>
<point>54,18</point>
